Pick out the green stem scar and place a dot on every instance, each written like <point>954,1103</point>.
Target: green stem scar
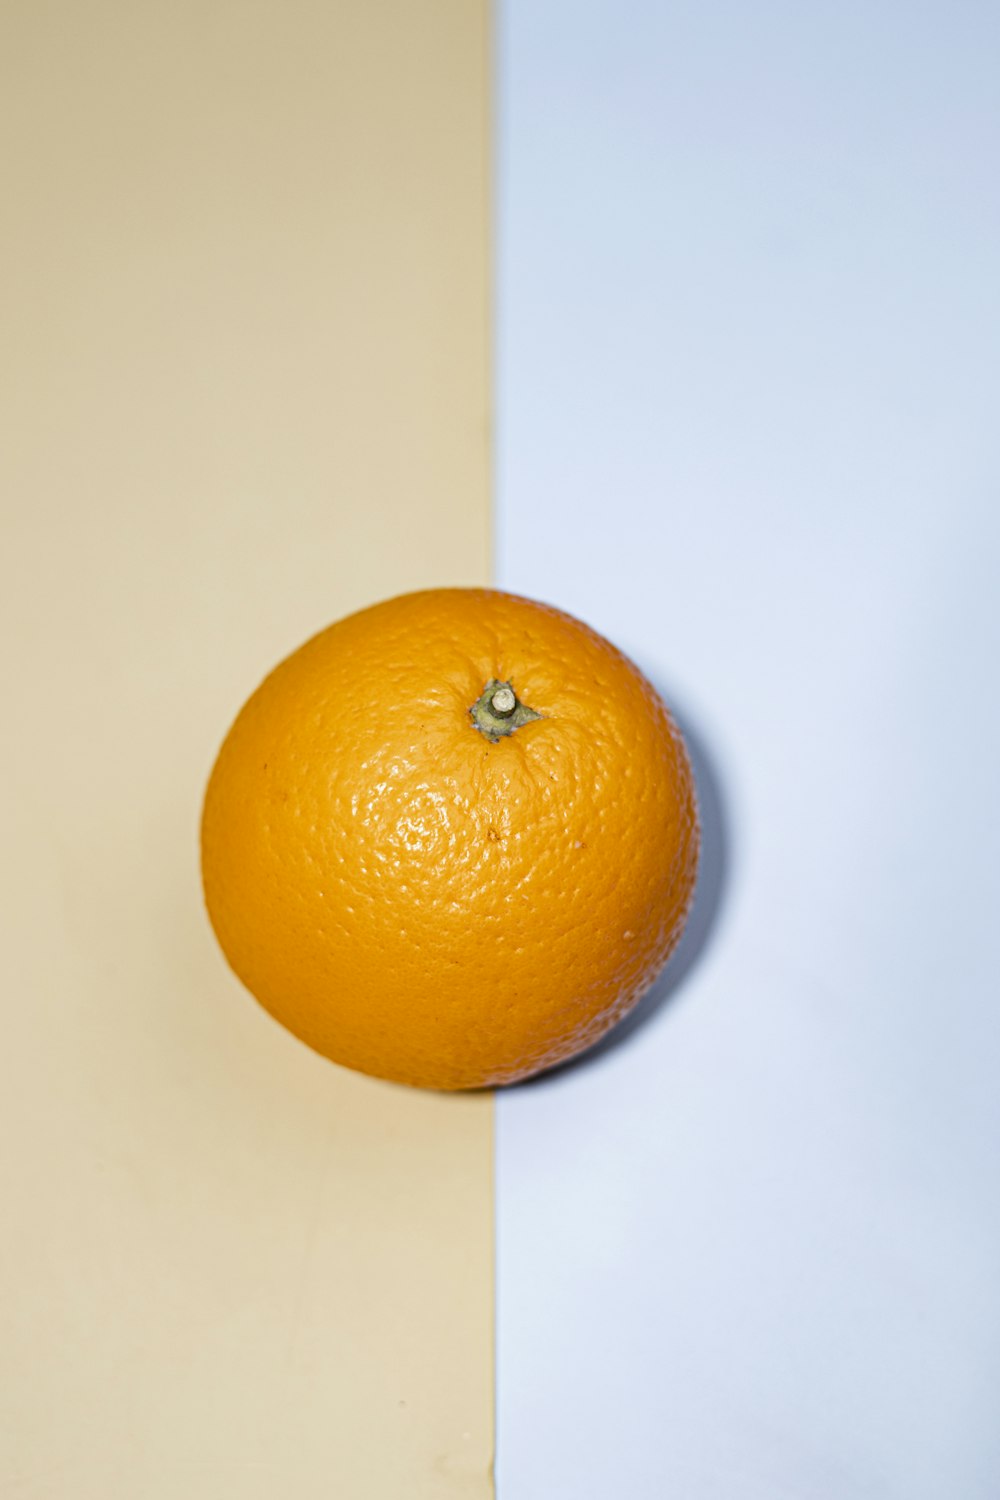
<point>499,711</point>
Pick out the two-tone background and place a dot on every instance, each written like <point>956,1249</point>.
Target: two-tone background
<point>683,318</point>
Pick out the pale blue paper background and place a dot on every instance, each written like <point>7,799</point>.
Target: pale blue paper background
<point>749,389</point>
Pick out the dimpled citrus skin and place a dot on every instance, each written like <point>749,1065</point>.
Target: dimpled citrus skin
<point>419,903</point>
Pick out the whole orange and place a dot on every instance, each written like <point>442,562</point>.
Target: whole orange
<point>452,839</point>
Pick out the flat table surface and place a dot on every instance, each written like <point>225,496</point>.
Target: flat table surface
<point>749,348</point>
<point>239,250</point>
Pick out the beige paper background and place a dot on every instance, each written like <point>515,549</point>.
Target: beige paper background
<point>244,387</point>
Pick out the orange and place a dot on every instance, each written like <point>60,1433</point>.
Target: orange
<point>451,839</point>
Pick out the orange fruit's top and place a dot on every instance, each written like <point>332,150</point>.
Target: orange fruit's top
<point>436,902</point>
